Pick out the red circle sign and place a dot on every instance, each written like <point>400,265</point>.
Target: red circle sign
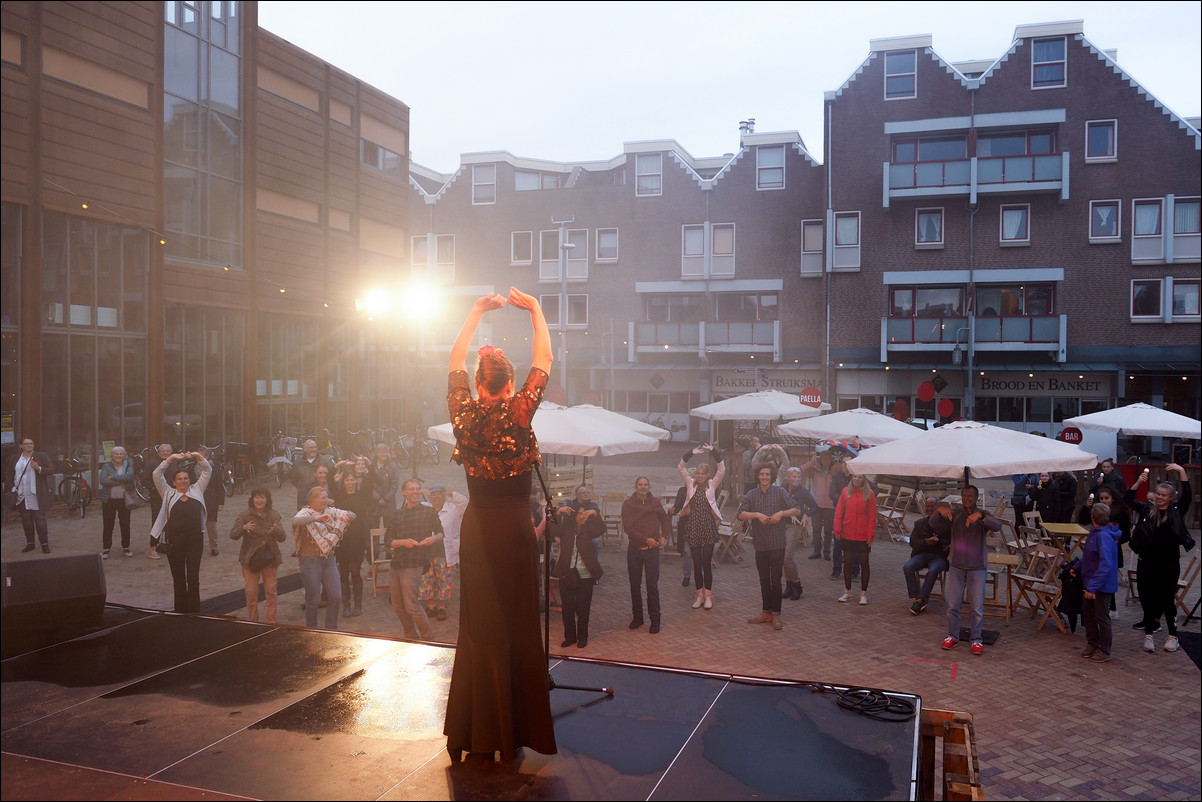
<point>926,391</point>
<point>811,397</point>
<point>946,408</point>
<point>1070,434</point>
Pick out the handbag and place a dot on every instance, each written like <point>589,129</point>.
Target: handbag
<point>164,546</point>
<point>260,559</point>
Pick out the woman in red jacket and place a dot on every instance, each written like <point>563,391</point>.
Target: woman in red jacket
<point>855,526</point>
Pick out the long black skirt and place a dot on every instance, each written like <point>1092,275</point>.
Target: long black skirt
<point>499,698</point>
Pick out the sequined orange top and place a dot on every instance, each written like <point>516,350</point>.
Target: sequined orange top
<point>494,441</point>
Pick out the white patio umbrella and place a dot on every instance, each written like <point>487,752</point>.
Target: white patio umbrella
<point>618,419</point>
<point>569,431</point>
<point>1139,419</point>
<point>862,425</point>
<point>765,405</point>
<point>967,449</point>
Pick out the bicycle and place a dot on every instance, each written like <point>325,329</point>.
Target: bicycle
<point>242,469</point>
<point>222,471</point>
<point>73,489</point>
<point>280,463</point>
<point>138,460</point>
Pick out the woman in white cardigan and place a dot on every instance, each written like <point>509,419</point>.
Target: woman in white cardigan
<point>181,523</point>
<point>700,519</point>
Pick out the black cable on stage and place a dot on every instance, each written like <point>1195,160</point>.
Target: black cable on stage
<point>873,704</point>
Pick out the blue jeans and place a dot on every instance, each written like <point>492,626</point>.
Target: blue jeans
<point>318,573</point>
<point>960,581</point>
<point>935,565</point>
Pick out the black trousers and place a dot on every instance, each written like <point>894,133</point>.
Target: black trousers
<point>184,559</point>
<point>112,511</point>
<point>576,598</point>
<point>638,561</point>
<point>1158,593</point>
<point>769,564</point>
<point>34,521</point>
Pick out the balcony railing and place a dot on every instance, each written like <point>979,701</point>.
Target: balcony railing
<point>991,333</point>
<point>970,176</point>
<point>740,336</point>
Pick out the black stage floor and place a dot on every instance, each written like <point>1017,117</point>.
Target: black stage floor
<point>164,706</point>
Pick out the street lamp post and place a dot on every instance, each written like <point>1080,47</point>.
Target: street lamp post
<point>564,247</point>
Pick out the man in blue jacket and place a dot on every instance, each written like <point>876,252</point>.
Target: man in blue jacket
<point>1098,566</point>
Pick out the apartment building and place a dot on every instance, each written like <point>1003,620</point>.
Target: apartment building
<point>190,205</point>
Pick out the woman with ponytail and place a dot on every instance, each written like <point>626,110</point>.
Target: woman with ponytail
<point>499,699</point>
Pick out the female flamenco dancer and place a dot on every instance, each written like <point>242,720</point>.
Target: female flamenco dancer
<point>499,699</point>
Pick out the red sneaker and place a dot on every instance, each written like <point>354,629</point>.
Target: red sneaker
<point>949,642</point>
<point>977,648</point>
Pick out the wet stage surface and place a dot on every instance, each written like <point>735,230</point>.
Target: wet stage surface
<point>162,706</point>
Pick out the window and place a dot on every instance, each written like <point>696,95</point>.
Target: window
<point>1104,221</point>
<point>1147,218</point>
<point>484,184</point>
<point>1101,140</point>
<point>444,249</point>
<point>648,175</point>
<point>928,228</point>
<point>1048,63</point>
<point>530,180</point>
<point>1185,299</point>
<point>379,158</point>
<point>847,241</point>
<point>1146,299</point>
<point>607,244</point>
<point>811,247</point>
<point>770,167</point>
<point>1014,219</point>
<point>1010,300</point>
<point>1016,143</point>
<point>926,301</point>
<point>724,239</point>
<point>900,75</point>
<point>735,307</point>
<point>521,247</point>
<point>1185,216</point>
<point>576,257</point>
<point>933,149</point>
<point>577,309</point>
<point>674,308</point>
<point>693,241</point>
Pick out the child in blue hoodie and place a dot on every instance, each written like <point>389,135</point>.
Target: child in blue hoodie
<point>1098,566</point>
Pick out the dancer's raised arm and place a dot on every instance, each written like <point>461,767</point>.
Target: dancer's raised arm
<point>463,342</point>
<point>541,357</point>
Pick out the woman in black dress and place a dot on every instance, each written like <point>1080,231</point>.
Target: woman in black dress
<point>499,699</point>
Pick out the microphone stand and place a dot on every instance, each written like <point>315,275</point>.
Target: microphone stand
<point>550,513</point>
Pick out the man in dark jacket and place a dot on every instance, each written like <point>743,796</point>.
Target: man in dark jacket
<point>577,569</point>
<point>928,549</point>
<point>647,527</point>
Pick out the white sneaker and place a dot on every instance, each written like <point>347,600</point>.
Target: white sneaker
<point>1171,645</point>
<point>1149,644</point>
<point>104,555</point>
<point>863,598</point>
<point>844,597</point>
<point>1114,614</point>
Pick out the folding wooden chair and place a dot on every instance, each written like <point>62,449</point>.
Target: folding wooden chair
<point>611,514</point>
<point>1188,577</point>
<point>895,516</point>
<point>1038,584</point>
<point>380,560</point>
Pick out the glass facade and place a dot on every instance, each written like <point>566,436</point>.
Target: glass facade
<point>10,315</point>
<point>202,375</point>
<point>94,290</point>
<point>202,127</point>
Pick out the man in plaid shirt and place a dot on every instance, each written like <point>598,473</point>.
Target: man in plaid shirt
<point>412,529</point>
<point>768,507</point>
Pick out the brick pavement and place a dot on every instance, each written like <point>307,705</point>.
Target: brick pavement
<point>1049,724</point>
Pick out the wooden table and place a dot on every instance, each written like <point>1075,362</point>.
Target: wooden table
<point>1067,536</point>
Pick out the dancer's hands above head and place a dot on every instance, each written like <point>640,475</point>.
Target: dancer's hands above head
<point>521,299</point>
<point>491,301</point>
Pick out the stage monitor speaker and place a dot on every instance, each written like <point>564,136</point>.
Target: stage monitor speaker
<point>46,593</point>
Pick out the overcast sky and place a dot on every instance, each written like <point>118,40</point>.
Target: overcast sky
<point>571,82</point>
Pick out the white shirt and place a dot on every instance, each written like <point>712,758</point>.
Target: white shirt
<point>27,484</point>
<point>451,516</point>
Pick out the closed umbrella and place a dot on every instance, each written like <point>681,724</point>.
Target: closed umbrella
<point>1139,419</point>
<point>764,406</point>
<point>967,449</point>
<point>862,425</point>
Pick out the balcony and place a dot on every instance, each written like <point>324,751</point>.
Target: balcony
<point>992,333</point>
<point>970,177</point>
<point>743,337</point>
